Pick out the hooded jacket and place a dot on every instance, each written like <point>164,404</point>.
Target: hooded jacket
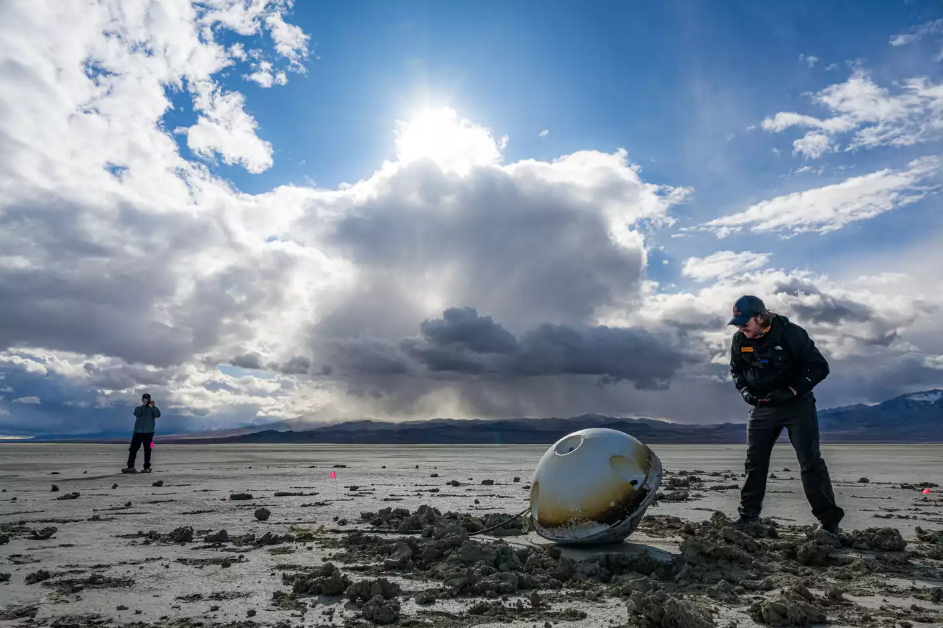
<point>783,357</point>
<point>144,419</point>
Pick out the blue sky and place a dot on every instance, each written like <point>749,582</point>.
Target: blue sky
<point>676,84</point>
<point>339,210</point>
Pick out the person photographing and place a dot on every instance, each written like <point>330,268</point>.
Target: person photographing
<point>775,365</point>
<point>144,423</point>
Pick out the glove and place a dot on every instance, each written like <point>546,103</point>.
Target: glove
<point>778,397</point>
<point>749,397</point>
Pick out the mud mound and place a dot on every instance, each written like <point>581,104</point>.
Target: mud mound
<point>366,590</point>
<point>328,580</point>
<point>660,610</point>
<point>381,611</point>
<point>885,539</point>
<point>794,607</point>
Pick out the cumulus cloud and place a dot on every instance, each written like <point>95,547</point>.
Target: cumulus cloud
<point>226,129</point>
<point>812,146</point>
<point>544,133</point>
<point>834,206</point>
<point>809,60</point>
<point>872,114</point>
<point>723,264</point>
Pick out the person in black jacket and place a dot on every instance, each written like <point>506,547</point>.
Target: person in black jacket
<point>775,366</point>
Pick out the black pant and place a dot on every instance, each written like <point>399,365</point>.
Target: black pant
<point>766,424</point>
<point>136,441</point>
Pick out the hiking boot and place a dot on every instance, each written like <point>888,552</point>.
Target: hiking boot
<point>744,521</point>
<point>146,470</point>
<point>129,470</point>
<point>831,528</point>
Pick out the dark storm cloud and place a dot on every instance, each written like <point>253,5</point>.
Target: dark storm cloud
<point>250,360</point>
<point>522,249</point>
<point>613,354</point>
<point>297,365</point>
<point>463,326</point>
<point>829,310</point>
<point>367,357</point>
<point>464,343</point>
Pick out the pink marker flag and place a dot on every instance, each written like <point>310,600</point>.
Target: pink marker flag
<point>926,490</point>
<point>334,474</point>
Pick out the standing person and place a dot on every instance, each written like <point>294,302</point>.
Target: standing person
<point>775,366</point>
<point>144,416</point>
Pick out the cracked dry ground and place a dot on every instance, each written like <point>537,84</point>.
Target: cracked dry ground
<point>287,550</point>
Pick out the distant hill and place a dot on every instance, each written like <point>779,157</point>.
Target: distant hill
<point>915,417</point>
<point>911,418</point>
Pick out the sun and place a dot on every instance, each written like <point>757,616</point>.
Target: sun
<point>454,144</point>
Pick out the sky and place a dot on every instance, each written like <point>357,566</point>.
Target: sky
<point>257,210</point>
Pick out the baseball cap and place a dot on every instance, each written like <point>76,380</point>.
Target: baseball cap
<point>746,308</point>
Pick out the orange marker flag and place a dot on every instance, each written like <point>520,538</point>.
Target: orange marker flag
<point>926,490</point>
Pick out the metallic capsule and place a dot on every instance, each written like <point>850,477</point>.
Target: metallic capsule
<point>593,486</point>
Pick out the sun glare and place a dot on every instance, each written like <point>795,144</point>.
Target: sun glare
<point>454,144</point>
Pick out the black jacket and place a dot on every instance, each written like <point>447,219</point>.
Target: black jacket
<point>784,356</point>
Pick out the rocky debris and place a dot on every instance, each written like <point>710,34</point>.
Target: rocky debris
<point>918,487</point>
<point>794,607</point>
<point>5,577</point>
<point>18,612</point>
<point>250,612</point>
<point>121,607</point>
<point>934,537</point>
<point>182,535</point>
<point>94,581</point>
<point>454,483</point>
<point>401,557</point>
<point>517,478</point>
<point>366,590</point>
<point>38,576</point>
<point>220,537</point>
<point>660,610</point>
<point>885,539</point>
<point>287,601</point>
<point>158,483</point>
<point>68,496</point>
<point>4,539</point>
<point>44,533</point>
<point>328,580</point>
<point>55,489</point>
<point>674,496</point>
<point>240,496</point>
<point>487,482</point>
<point>820,549</point>
<point>426,596</point>
<point>262,514</point>
<point>434,475</point>
<point>114,486</point>
<point>863,480</point>
<point>226,564</point>
<point>273,539</point>
<point>381,611</point>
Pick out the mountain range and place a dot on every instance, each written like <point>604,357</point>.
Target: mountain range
<point>910,418</point>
